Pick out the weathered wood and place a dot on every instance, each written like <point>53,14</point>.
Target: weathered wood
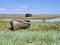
<point>16,24</point>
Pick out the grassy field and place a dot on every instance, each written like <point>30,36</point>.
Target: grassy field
<point>39,33</point>
<point>29,38</point>
<point>35,26</point>
<point>34,16</point>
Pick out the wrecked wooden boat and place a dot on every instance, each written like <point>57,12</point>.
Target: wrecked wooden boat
<point>19,24</point>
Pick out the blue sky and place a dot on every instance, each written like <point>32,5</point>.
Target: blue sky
<point>30,6</point>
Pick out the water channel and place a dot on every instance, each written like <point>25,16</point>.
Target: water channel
<point>38,20</point>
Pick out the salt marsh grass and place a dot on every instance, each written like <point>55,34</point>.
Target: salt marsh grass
<point>39,33</point>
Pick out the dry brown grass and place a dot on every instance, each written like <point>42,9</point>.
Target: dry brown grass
<point>34,16</point>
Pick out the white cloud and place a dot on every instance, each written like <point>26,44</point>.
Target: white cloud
<point>34,10</point>
<point>2,9</point>
<point>24,6</point>
<point>17,9</point>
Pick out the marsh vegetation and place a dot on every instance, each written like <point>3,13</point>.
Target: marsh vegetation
<point>39,33</point>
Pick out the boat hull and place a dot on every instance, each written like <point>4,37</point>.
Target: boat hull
<point>19,24</point>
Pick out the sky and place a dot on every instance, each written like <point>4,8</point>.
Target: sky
<point>30,6</point>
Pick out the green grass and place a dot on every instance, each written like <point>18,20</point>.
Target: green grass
<point>4,25</point>
<point>46,26</point>
<point>29,38</point>
<point>4,22</point>
<point>35,26</point>
<point>39,33</point>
